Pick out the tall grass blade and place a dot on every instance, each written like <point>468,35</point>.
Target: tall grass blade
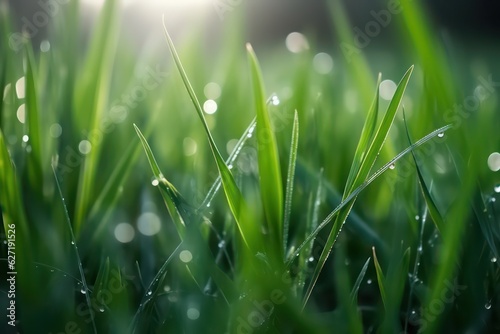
<point>366,165</point>
<point>75,248</point>
<point>271,188</point>
<point>431,205</point>
<point>360,188</point>
<point>380,278</point>
<point>170,195</point>
<point>92,91</point>
<point>233,195</point>
<point>359,280</point>
<point>290,180</point>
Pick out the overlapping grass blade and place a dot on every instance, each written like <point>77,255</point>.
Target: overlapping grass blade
<point>365,139</point>
<point>366,165</point>
<point>359,189</point>
<point>170,195</point>
<point>174,203</point>
<point>271,188</point>
<point>237,205</point>
<point>152,291</point>
<point>380,278</point>
<point>431,205</point>
<point>74,245</point>
<point>359,280</point>
<point>290,180</point>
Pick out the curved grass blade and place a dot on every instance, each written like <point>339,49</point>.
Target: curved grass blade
<point>361,175</point>
<point>153,287</point>
<point>431,205</point>
<point>271,188</point>
<point>170,195</point>
<point>365,139</point>
<point>380,278</point>
<point>230,161</point>
<point>234,197</point>
<point>365,184</point>
<point>73,243</point>
<point>290,180</point>
<point>174,202</point>
<point>359,280</point>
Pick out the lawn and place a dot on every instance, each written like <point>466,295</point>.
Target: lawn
<point>170,186</point>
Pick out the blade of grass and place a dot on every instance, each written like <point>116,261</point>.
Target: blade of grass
<point>170,195</point>
<point>431,205</point>
<point>75,248</point>
<point>290,180</point>
<point>380,278</point>
<point>271,188</point>
<point>361,175</point>
<point>173,201</point>
<point>359,280</point>
<point>356,192</point>
<point>249,235</point>
<point>93,91</point>
<point>365,139</point>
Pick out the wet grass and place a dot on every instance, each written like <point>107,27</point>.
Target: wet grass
<point>144,200</point>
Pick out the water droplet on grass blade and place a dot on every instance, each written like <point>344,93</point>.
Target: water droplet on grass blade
<point>149,293</point>
<point>83,291</point>
<point>369,281</point>
<point>493,259</point>
<point>497,188</point>
<point>155,182</point>
<point>392,166</point>
<point>441,134</point>
<point>488,305</point>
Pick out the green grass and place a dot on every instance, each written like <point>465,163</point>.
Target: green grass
<point>307,203</point>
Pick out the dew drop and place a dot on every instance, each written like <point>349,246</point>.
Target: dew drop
<point>72,242</point>
<point>497,188</point>
<point>155,182</point>
<point>369,281</point>
<point>221,244</point>
<point>311,259</point>
<point>417,217</point>
<point>82,291</point>
<point>392,166</point>
<point>487,305</point>
<point>149,293</point>
<point>493,259</point>
<point>441,134</point>
<point>101,309</point>
<point>420,249</point>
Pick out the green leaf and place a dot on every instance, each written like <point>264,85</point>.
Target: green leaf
<point>356,192</point>
<point>380,278</point>
<point>431,205</point>
<point>237,205</point>
<point>91,93</point>
<point>170,195</point>
<point>290,180</point>
<point>359,280</point>
<point>366,165</point>
<point>271,188</point>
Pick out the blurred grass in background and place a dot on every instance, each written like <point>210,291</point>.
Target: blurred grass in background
<point>418,252</point>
